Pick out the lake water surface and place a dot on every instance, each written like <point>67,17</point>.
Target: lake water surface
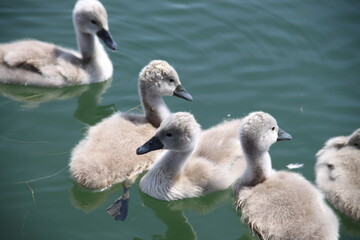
<point>298,60</point>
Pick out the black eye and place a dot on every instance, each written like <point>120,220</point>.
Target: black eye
<point>330,166</point>
<point>171,80</point>
<point>93,22</point>
<point>273,128</point>
<point>169,134</point>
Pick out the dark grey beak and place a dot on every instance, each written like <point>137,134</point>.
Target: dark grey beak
<point>282,135</point>
<point>153,144</point>
<point>182,93</point>
<point>106,37</point>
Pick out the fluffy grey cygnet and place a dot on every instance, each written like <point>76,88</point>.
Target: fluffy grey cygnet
<point>278,205</point>
<point>338,173</point>
<point>107,154</point>
<point>37,63</point>
<point>196,162</point>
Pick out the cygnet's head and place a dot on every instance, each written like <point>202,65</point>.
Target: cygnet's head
<point>337,154</point>
<point>161,79</point>
<point>90,17</point>
<point>259,131</point>
<point>354,139</point>
<point>178,132</point>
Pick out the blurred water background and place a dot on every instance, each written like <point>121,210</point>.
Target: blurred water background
<point>298,60</point>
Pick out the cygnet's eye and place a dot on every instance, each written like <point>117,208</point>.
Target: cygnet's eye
<point>93,21</point>
<point>330,166</point>
<point>171,80</point>
<point>273,128</point>
<point>169,134</point>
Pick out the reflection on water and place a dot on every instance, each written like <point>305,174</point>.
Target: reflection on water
<point>172,213</point>
<point>89,96</point>
<point>177,224</point>
<point>88,200</point>
<point>204,204</point>
<point>88,110</point>
<point>169,213</point>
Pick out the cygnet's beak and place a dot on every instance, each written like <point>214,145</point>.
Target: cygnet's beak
<point>282,135</point>
<point>153,144</point>
<point>182,93</point>
<point>107,39</point>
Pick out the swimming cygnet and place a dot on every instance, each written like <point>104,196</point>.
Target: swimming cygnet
<point>32,62</point>
<point>338,173</point>
<point>107,153</point>
<point>196,163</point>
<point>278,204</point>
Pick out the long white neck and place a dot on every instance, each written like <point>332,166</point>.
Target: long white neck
<point>258,168</point>
<point>172,163</point>
<point>154,106</point>
<point>94,56</point>
<point>159,180</point>
<point>87,44</point>
<point>90,47</point>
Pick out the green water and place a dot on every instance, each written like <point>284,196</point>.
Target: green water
<point>298,60</point>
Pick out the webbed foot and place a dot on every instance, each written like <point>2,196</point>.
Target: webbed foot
<point>119,209</point>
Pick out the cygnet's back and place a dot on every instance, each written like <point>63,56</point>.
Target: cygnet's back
<point>278,204</point>
<point>106,156</point>
<point>220,147</point>
<point>287,206</point>
<point>337,173</point>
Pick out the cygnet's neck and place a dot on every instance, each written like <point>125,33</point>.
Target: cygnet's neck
<point>89,47</point>
<point>154,106</point>
<point>160,179</point>
<point>170,166</point>
<point>174,162</point>
<point>258,167</point>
